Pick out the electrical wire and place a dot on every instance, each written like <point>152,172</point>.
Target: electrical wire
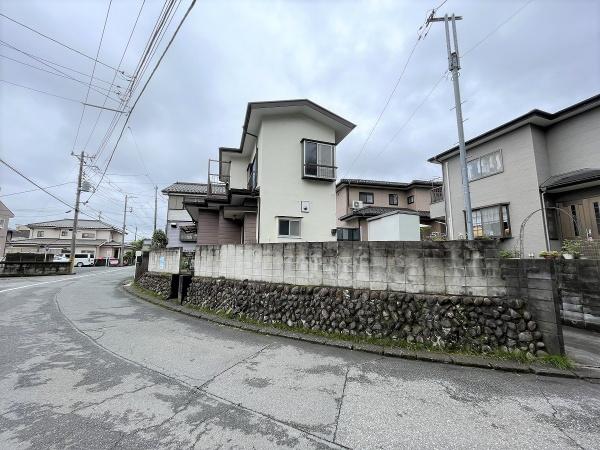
<point>41,92</point>
<point>58,42</point>
<point>34,190</point>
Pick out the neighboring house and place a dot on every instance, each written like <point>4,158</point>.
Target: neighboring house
<point>5,215</point>
<point>539,158</point>
<point>93,237</point>
<point>279,185</point>
<point>359,200</point>
<point>181,229</point>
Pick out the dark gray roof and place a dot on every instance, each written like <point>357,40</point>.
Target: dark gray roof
<point>372,211</point>
<point>182,187</point>
<point>68,223</point>
<point>393,184</point>
<point>571,178</point>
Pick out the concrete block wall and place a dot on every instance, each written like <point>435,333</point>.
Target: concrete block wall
<point>579,291</point>
<point>533,280</point>
<point>452,268</point>
<point>170,257</point>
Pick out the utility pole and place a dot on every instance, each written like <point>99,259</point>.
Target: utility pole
<point>123,238</point>
<point>155,204</point>
<point>135,234</point>
<point>76,212</point>
<point>454,67</point>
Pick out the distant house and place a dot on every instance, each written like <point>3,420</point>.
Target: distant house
<point>93,237</point>
<point>359,200</point>
<point>279,184</point>
<point>180,228</point>
<point>527,167</point>
<point>5,215</point>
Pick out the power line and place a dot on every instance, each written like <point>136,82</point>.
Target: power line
<point>34,190</point>
<point>144,89</point>
<point>500,25</point>
<point>93,71</point>
<point>60,43</point>
<point>115,75</point>
<point>56,74</point>
<point>41,92</point>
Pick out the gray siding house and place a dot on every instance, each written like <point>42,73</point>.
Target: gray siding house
<point>528,166</point>
<point>180,228</point>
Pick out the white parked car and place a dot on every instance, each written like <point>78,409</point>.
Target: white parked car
<point>60,258</point>
<point>81,259</point>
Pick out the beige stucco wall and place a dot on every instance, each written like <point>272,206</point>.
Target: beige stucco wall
<point>282,187</point>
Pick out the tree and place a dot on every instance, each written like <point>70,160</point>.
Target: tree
<point>159,239</point>
<point>137,245</point>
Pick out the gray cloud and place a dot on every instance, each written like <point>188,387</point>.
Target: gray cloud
<point>345,55</point>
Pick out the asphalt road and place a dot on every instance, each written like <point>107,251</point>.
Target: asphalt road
<point>85,365</point>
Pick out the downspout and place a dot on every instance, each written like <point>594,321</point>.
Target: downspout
<point>544,220</point>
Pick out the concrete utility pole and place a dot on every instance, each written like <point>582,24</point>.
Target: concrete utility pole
<point>454,67</point>
<point>123,238</point>
<point>76,212</point>
<point>155,204</point>
<point>135,234</point>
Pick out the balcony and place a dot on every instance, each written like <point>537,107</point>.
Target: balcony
<point>437,194</point>
<point>188,233</point>
<point>320,171</point>
<point>218,178</point>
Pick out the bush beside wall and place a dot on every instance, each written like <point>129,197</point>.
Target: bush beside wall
<point>478,324</point>
<point>158,283</point>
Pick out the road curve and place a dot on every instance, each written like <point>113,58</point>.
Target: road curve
<point>84,364</point>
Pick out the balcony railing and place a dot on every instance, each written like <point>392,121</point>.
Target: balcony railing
<point>323,171</point>
<point>218,177</point>
<point>437,194</point>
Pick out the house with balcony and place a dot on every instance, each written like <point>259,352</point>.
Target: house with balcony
<point>537,175</point>
<point>180,228</point>
<point>94,237</point>
<point>360,200</point>
<point>278,185</point>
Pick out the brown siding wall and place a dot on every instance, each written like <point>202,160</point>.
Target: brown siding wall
<point>250,229</point>
<point>208,227</point>
<point>230,232</point>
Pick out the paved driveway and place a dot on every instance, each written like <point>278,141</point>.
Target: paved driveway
<point>83,364</point>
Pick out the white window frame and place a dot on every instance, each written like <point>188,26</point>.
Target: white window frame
<point>64,233</point>
<point>289,235</point>
<point>324,169</point>
<point>478,160</point>
<point>87,237</point>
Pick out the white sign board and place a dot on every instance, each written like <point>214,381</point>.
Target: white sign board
<point>161,262</point>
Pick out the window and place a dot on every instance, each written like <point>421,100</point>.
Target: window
<point>348,234</point>
<point>366,197</point>
<point>64,233</point>
<point>252,180</point>
<point>289,227</point>
<point>319,160</point>
<point>393,199</point>
<point>485,165</point>
<point>40,233</point>
<point>1,223</point>
<point>410,199</point>
<point>597,215</point>
<point>175,202</point>
<point>492,221</point>
<point>88,235</point>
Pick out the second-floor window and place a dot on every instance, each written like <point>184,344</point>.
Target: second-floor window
<point>40,234</point>
<point>64,233</point>
<point>252,175</point>
<point>319,160</point>
<point>175,202</point>
<point>485,165</point>
<point>88,235</point>
<point>410,199</point>
<point>366,197</point>
<point>393,199</point>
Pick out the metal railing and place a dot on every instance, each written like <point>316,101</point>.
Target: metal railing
<point>316,170</point>
<point>218,177</point>
<point>437,194</point>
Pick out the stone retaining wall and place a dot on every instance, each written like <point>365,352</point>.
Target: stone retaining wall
<point>25,269</point>
<point>473,323</point>
<point>158,283</point>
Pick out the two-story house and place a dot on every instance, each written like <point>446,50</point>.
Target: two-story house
<point>279,184</point>
<point>5,215</point>
<point>180,228</point>
<point>539,173</point>
<point>359,200</point>
<point>94,237</point>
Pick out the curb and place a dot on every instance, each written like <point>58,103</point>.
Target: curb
<point>392,352</point>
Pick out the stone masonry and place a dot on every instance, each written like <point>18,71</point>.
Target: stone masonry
<point>475,323</point>
<point>158,283</point>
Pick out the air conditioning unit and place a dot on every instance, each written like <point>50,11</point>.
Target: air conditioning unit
<point>357,204</point>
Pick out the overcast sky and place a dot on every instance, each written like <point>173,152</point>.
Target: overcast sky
<point>343,55</point>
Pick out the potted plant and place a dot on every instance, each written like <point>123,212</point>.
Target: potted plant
<point>571,249</point>
<point>550,255</point>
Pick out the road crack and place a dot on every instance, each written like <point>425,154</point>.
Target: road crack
<point>341,400</point>
<point>557,420</point>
